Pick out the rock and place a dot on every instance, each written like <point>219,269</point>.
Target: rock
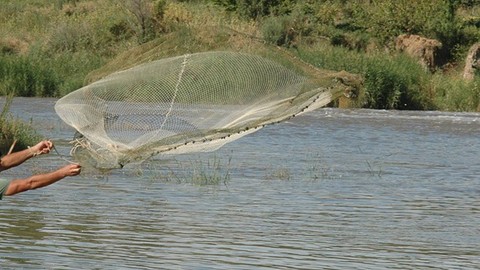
<point>424,49</point>
<point>472,63</point>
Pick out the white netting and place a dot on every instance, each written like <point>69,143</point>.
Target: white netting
<point>196,102</point>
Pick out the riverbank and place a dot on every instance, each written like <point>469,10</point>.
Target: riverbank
<point>52,48</point>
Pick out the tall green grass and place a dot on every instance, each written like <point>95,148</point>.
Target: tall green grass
<point>26,76</point>
<point>396,81</point>
<point>390,81</point>
<point>48,47</point>
<point>455,94</point>
<point>14,130</point>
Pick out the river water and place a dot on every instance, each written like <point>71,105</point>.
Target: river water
<point>332,189</point>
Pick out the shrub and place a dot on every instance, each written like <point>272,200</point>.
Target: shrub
<point>72,68</point>
<point>71,36</point>
<point>278,31</point>
<point>15,130</point>
<point>395,83</point>
<point>26,76</point>
<point>456,94</point>
<point>256,9</point>
<point>390,82</point>
<point>148,18</point>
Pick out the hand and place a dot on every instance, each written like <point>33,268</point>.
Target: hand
<point>71,170</point>
<point>41,148</point>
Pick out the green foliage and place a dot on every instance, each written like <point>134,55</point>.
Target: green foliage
<point>159,9</point>
<point>47,48</point>
<point>148,16</point>
<point>394,84</point>
<point>209,171</point>
<point>26,76</point>
<point>278,30</point>
<point>357,24</point>
<point>255,9</point>
<point>387,19</point>
<point>456,94</point>
<point>14,130</point>
<point>65,42</point>
<point>72,37</point>
<point>390,82</point>
<point>72,68</point>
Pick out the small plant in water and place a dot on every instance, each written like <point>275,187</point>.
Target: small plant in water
<point>201,172</point>
<point>317,172</point>
<point>211,172</point>
<point>372,170</point>
<point>318,167</point>
<point>279,174</point>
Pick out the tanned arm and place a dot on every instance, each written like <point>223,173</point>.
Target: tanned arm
<point>41,180</point>
<point>18,158</point>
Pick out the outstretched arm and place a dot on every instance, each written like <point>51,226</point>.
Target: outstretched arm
<point>41,180</point>
<point>18,158</point>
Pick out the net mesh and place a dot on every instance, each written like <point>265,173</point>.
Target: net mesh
<point>190,103</point>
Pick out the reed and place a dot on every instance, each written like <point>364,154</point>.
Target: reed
<point>456,94</point>
<point>200,171</point>
<point>210,172</point>
<point>390,81</point>
<point>15,132</point>
<point>26,76</point>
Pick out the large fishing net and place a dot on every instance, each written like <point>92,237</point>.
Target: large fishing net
<point>191,103</point>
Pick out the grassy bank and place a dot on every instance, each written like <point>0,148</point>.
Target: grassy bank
<point>50,48</point>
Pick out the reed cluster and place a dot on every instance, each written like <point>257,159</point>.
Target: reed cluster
<point>15,134</point>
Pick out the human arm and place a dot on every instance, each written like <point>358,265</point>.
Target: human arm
<point>41,180</point>
<point>17,158</point>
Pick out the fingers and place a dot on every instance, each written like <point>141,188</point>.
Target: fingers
<point>77,171</point>
<point>43,147</point>
<point>47,146</point>
<point>74,169</point>
<point>71,170</point>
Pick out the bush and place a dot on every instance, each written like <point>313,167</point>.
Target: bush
<point>72,36</point>
<point>148,16</point>
<point>390,82</point>
<point>72,68</point>
<point>278,31</point>
<point>455,94</point>
<point>15,130</point>
<point>395,83</point>
<point>256,9</point>
<point>27,76</point>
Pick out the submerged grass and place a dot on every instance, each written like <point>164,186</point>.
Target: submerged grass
<point>211,171</point>
<point>280,173</point>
